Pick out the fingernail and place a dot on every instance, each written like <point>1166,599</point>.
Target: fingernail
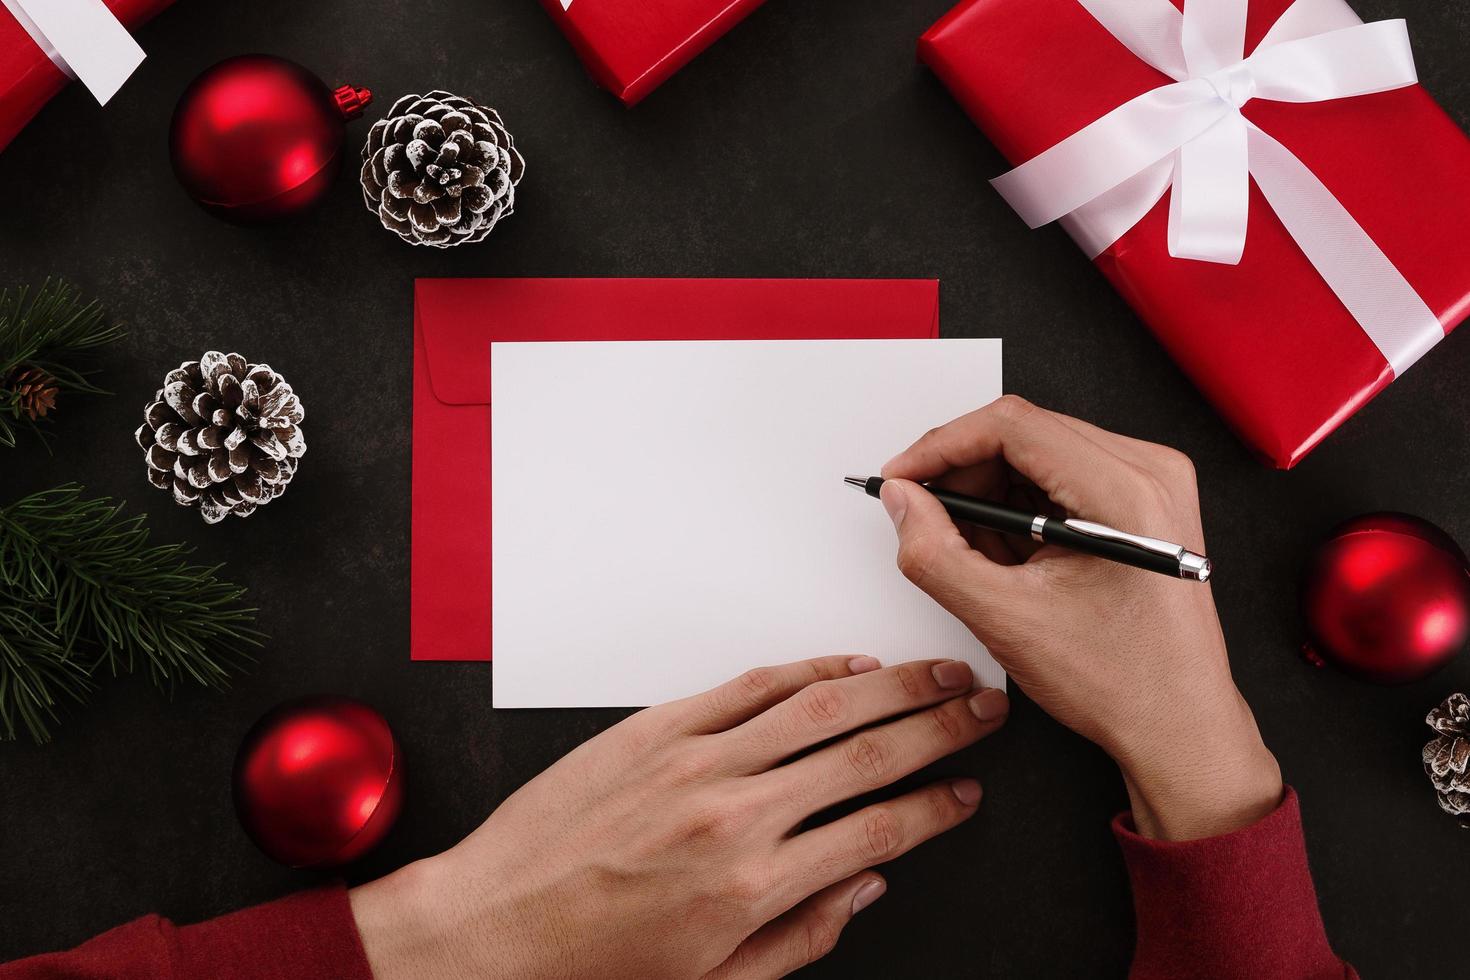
<point>861,665</point>
<point>990,704</point>
<point>870,892</point>
<point>967,791</point>
<point>894,501</point>
<point>952,675</point>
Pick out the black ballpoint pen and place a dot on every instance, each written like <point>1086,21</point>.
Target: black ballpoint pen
<point>1087,537</point>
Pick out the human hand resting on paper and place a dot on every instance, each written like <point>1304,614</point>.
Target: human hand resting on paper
<point>1130,659</point>
<point>671,845</point>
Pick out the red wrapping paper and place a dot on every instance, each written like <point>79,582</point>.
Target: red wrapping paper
<point>632,46</point>
<point>1266,341</point>
<point>28,79</point>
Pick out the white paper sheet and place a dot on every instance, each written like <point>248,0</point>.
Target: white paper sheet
<point>669,514</point>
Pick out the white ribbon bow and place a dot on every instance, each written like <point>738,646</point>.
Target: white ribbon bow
<point>1190,135</point>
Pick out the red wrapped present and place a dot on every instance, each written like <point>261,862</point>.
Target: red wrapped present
<point>28,75</point>
<point>1136,124</point>
<point>631,46</point>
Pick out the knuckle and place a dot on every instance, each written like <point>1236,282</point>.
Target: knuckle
<point>691,765</point>
<point>758,683</point>
<point>1176,465</point>
<point>882,835</point>
<point>949,725</point>
<point>645,731</point>
<point>819,937</point>
<point>825,705</point>
<point>871,757</point>
<point>819,670</point>
<point>714,822</point>
<point>910,680</point>
<point>942,806</point>
<point>745,886</point>
<point>916,557</point>
<point>1013,408</point>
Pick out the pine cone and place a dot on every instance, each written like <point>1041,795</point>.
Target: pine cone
<point>1447,756</point>
<point>440,170</point>
<point>36,392</point>
<point>224,434</point>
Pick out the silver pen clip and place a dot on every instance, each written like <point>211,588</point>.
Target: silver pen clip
<point>1191,565</point>
<point>1155,545</point>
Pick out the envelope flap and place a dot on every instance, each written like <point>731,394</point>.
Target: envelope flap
<point>458,318</point>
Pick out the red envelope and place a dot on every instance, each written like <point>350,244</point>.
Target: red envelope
<point>456,319</point>
<point>630,47</point>
<point>28,79</point>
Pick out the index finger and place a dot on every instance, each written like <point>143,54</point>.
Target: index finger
<point>1075,472</point>
<point>737,701</point>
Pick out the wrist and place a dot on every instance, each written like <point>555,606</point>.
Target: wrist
<point>404,932</point>
<point>1207,779</point>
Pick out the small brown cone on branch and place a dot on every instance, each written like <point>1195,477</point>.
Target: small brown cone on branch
<point>37,392</point>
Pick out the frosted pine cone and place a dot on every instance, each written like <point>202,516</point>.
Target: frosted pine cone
<point>224,434</point>
<point>1447,757</point>
<point>440,170</point>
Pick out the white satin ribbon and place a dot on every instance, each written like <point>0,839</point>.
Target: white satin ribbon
<point>82,38</point>
<point>42,41</point>
<point>1191,136</point>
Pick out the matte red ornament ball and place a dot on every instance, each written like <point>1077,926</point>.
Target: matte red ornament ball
<point>257,138</point>
<point>1387,598</point>
<point>318,781</point>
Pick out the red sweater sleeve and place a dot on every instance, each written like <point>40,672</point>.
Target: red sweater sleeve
<point>1236,907</point>
<point>305,936</point>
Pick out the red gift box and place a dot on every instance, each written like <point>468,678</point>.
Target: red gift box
<point>28,78</point>
<point>631,46</point>
<point>1266,341</point>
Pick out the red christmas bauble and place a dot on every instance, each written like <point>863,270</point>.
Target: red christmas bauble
<point>256,138</point>
<point>318,781</point>
<point>1387,598</point>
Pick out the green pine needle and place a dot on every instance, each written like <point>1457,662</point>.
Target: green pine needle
<point>54,332</point>
<point>82,590</point>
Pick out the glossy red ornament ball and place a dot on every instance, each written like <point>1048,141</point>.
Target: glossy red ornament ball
<point>256,138</point>
<point>1387,598</point>
<point>318,781</point>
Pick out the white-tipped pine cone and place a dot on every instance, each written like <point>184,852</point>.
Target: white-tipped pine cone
<point>440,170</point>
<point>224,434</point>
<point>1447,756</point>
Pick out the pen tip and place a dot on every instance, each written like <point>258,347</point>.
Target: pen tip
<point>861,482</point>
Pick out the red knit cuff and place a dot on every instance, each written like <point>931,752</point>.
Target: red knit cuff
<point>1240,905</point>
<point>308,935</point>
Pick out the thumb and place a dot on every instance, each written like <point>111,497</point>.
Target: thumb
<point>933,554</point>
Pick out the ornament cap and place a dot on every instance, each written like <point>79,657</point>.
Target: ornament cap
<point>351,100</point>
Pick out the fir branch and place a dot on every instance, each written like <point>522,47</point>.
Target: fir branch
<point>53,332</point>
<point>82,590</point>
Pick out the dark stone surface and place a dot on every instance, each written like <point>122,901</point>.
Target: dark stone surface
<point>806,143</point>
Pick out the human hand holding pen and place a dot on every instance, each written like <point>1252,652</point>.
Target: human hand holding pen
<point>1133,661</point>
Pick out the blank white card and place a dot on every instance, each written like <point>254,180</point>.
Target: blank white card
<point>669,514</point>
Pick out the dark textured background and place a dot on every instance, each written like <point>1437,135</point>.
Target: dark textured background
<point>805,143</point>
